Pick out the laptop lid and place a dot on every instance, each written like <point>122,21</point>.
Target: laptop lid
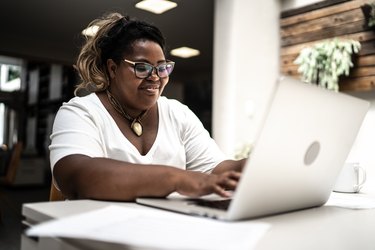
<point>304,141</point>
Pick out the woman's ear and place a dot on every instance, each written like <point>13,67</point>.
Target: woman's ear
<point>111,67</point>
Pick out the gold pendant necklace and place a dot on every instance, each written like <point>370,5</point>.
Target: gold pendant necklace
<point>135,123</point>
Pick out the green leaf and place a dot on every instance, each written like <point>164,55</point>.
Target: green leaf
<point>326,61</point>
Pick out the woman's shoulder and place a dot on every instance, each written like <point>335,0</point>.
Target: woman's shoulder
<point>83,101</point>
<point>89,105</point>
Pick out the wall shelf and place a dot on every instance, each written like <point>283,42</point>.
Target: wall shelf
<point>311,24</point>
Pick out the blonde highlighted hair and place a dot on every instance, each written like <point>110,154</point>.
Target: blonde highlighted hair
<point>114,37</point>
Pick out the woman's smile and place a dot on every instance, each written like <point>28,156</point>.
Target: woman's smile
<point>151,89</point>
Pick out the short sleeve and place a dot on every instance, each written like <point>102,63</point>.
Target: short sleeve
<point>75,131</point>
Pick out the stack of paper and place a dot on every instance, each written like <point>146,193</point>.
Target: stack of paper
<point>151,228</point>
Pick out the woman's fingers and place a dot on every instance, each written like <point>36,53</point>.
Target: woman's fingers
<point>230,180</point>
<point>198,184</point>
<point>226,181</point>
<point>222,191</point>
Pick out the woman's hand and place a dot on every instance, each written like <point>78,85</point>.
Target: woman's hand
<point>195,184</point>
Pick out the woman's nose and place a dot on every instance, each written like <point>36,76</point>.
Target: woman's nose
<point>154,75</point>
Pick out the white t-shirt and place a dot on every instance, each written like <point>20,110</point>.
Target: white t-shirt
<point>84,126</point>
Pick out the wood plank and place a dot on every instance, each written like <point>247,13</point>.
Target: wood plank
<point>310,7</point>
<point>367,48</point>
<point>353,84</point>
<point>305,16</point>
<point>360,36</point>
<point>368,60</point>
<point>292,70</point>
<point>287,60</point>
<point>358,61</point>
<point>358,84</point>
<point>322,23</point>
<point>355,71</point>
<point>362,71</point>
<point>324,33</point>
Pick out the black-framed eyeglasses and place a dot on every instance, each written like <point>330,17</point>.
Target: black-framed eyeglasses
<point>144,70</point>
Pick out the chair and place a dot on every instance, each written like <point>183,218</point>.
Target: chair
<point>11,172</point>
<point>55,194</point>
<point>11,169</point>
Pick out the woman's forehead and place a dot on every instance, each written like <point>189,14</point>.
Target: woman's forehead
<point>145,47</point>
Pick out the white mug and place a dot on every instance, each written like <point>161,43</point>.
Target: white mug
<point>351,178</point>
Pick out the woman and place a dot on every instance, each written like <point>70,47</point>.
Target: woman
<point>123,140</point>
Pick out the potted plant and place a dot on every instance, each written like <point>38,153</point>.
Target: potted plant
<point>325,62</point>
<point>369,13</point>
<point>243,152</point>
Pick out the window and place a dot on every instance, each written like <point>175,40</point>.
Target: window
<point>10,81</point>
<point>10,77</point>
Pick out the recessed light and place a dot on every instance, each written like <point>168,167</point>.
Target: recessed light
<point>156,6</point>
<point>185,52</point>
<point>90,31</point>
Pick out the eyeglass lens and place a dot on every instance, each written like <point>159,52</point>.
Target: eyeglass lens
<point>144,70</point>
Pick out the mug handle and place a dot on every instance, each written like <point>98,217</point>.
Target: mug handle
<point>360,182</point>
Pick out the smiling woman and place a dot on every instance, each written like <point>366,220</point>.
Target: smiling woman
<point>123,139</point>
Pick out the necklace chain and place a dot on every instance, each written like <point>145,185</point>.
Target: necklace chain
<point>135,123</point>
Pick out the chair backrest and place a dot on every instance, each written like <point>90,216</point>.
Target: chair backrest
<point>12,168</point>
<point>55,194</point>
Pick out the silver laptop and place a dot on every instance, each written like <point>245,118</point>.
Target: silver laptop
<point>304,141</point>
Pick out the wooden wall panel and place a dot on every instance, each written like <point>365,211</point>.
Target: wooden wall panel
<point>341,19</point>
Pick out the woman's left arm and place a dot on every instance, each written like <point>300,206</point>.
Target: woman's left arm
<point>229,165</point>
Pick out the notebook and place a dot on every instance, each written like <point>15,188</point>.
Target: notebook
<point>305,139</point>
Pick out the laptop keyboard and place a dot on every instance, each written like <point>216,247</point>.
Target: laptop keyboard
<point>218,204</point>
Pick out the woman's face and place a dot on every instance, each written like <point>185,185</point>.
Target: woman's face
<point>134,93</point>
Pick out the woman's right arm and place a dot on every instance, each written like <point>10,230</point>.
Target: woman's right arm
<point>83,177</point>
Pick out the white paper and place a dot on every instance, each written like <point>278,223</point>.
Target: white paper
<point>351,201</point>
<point>154,229</point>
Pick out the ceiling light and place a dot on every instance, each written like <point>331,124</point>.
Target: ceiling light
<point>185,52</point>
<point>90,31</point>
<point>156,6</point>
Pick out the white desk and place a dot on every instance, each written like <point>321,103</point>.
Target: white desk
<point>317,228</point>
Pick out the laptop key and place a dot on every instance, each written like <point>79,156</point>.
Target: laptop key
<point>218,204</point>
